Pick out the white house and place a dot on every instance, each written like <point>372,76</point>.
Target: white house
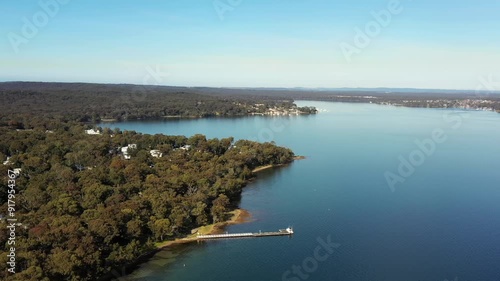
<point>156,153</point>
<point>125,150</point>
<point>186,147</point>
<point>92,132</point>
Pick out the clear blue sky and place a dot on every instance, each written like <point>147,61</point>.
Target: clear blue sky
<point>267,43</point>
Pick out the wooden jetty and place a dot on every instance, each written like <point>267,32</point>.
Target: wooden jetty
<point>281,232</point>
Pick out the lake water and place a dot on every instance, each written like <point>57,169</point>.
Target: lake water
<point>442,222</point>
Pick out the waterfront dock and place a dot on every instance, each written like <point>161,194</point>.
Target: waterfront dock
<point>282,232</point>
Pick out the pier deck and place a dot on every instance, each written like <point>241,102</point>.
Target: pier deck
<point>281,232</point>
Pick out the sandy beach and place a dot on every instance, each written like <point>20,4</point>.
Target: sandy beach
<point>262,168</point>
<point>237,216</point>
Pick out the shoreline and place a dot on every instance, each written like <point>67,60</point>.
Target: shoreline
<point>238,216</point>
<point>263,168</point>
<point>267,167</point>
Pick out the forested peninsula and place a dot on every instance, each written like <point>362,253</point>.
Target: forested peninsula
<point>94,103</point>
<point>88,201</point>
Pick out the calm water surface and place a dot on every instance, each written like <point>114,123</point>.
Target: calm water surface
<point>442,222</point>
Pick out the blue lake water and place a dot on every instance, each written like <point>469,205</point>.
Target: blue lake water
<point>441,219</point>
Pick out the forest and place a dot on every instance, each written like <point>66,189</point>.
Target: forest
<point>100,102</point>
<point>97,102</point>
<point>84,209</point>
<point>87,204</point>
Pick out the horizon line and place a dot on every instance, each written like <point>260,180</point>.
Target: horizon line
<point>258,87</point>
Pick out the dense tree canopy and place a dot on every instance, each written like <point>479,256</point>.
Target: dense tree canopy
<point>84,208</point>
<point>97,102</point>
<point>86,203</point>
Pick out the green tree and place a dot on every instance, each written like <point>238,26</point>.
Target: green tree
<point>219,208</point>
<point>162,228</point>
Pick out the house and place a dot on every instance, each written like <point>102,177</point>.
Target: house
<point>156,153</point>
<point>126,148</point>
<point>185,147</point>
<point>92,132</point>
<point>125,152</point>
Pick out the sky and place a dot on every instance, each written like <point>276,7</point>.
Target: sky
<point>446,44</point>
